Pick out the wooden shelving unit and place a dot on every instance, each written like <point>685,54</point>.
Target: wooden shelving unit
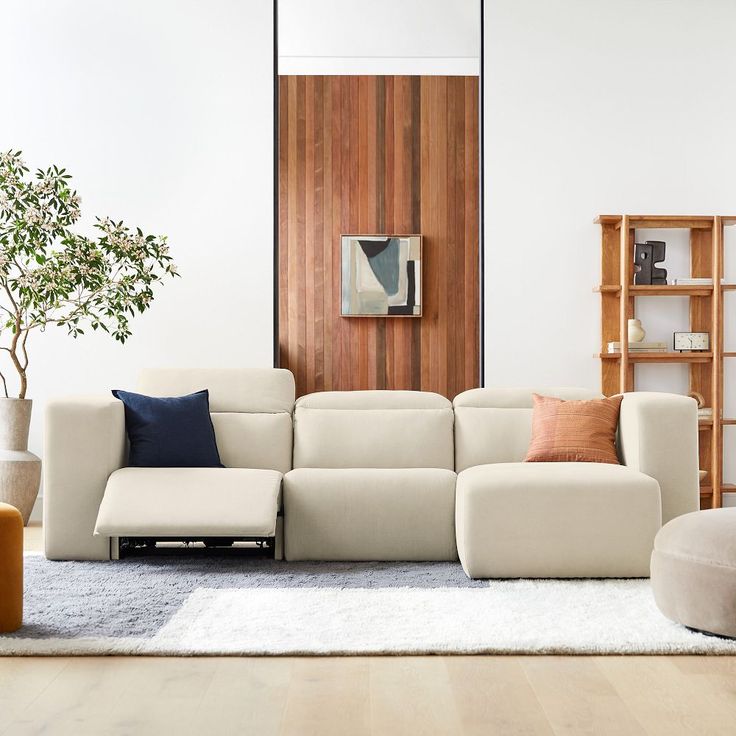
<point>618,305</point>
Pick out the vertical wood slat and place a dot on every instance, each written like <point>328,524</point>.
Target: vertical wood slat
<point>388,212</point>
<point>427,191</point>
<point>354,364</point>
<point>310,200</point>
<point>717,365</point>
<point>624,305</point>
<point>701,315</point>
<point>610,305</point>
<point>413,331</point>
<point>719,294</point>
<point>300,284</point>
<point>394,155</point>
<point>291,325</point>
<point>379,361</point>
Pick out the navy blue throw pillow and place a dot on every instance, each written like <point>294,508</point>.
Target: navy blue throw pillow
<point>173,432</point>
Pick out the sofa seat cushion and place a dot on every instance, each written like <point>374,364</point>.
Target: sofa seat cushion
<point>165,502</point>
<point>556,520</point>
<point>369,514</point>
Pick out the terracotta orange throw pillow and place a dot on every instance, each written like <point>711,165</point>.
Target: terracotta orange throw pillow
<point>574,431</point>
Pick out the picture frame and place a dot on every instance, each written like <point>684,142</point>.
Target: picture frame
<point>381,275</point>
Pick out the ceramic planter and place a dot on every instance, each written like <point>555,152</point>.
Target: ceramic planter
<point>20,470</point>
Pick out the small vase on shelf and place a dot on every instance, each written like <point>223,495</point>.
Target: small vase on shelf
<point>636,331</point>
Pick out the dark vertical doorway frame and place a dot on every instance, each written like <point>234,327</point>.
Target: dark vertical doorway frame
<point>276,350</point>
<point>481,208</point>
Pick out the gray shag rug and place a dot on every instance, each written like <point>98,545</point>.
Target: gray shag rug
<point>238,606</point>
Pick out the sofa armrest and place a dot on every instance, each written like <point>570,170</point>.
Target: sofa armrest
<point>84,442</point>
<point>658,436</point>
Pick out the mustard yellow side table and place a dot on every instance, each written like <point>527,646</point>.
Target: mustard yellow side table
<point>11,568</point>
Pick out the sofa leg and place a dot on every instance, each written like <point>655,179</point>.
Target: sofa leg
<point>279,539</point>
<point>114,548</point>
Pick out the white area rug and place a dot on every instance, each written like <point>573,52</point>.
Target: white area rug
<point>540,617</point>
<point>363,609</point>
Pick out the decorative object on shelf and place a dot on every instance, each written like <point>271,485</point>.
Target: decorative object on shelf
<point>636,332</point>
<point>638,347</point>
<point>695,282</point>
<point>704,412</point>
<point>698,397</point>
<point>381,275</point>
<point>702,475</point>
<point>646,256</point>
<point>694,341</point>
<point>51,275</point>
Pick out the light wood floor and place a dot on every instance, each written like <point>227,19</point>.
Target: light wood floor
<point>367,695</point>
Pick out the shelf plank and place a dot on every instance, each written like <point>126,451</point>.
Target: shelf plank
<point>661,357</point>
<point>725,488</point>
<point>659,221</point>
<point>663,290</point>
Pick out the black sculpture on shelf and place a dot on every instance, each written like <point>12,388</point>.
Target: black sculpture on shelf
<point>646,256</point>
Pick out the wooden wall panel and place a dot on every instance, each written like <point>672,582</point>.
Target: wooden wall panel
<point>393,155</point>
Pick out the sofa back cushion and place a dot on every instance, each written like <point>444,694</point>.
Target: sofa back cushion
<point>493,425</point>
<point>373,429</point>
<point>250,408</point>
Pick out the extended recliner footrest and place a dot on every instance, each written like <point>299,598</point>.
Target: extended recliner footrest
<point>190,503</point>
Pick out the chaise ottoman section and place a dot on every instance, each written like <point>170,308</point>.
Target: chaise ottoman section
<point>556,520</point>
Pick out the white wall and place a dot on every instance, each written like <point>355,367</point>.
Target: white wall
<point>379,37</point>
<point>595,107</point>
<point>162,111</point>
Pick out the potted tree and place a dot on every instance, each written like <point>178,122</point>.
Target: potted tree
<point>51,275</point>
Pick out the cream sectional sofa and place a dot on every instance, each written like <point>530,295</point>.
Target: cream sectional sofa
<point>373,475</point>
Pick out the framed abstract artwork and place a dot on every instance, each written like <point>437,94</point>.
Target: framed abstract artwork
<point>381,276</point>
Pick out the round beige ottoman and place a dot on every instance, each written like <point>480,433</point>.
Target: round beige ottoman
<point>694,571</point>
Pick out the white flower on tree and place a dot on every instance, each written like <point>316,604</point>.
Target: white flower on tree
<point>52,275</point>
